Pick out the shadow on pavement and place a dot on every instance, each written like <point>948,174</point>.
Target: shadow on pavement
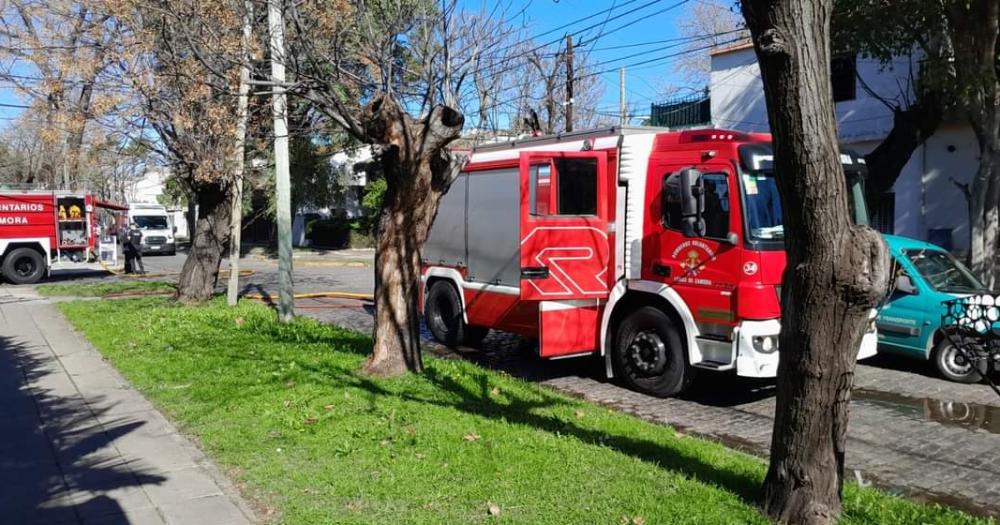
<point>57,463</point>
<point>901,363</point>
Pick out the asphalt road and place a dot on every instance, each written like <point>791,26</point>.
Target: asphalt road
<point>339,271</point>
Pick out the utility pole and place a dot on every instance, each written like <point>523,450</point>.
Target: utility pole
<point>622,108</point>
<point>276,24</point>
<point>569,83</point>
<point>239,161</point>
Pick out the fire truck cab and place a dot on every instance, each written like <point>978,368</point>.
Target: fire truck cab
<point>661,251</point>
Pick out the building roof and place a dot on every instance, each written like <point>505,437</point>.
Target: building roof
<point>738,46</point>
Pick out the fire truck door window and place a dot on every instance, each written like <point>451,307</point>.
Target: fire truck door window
<point>716,214</point>
<point>716,205</point>
<point>672,203</point>
<point>540,188</point>
<point>576,186</point>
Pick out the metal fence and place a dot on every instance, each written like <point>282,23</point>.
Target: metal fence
<point>681,112</point>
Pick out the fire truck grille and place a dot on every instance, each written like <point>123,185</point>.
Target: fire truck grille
<point>156,240</point>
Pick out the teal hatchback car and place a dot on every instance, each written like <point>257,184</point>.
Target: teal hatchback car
<point>910,322</point>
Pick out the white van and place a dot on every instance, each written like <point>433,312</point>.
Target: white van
<point>157,230</point>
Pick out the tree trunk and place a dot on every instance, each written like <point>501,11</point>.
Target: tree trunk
<point>211,232</point>
<point>911,127</point>
<point>239,158</point>
<point>836,271</point>
<point>74,142</point>
<point>984,216</point>
<point>397,285</point>
<point>418,171</point>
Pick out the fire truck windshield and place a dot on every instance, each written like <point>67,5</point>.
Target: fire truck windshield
<point>762,205</point>
<point>761,202</point>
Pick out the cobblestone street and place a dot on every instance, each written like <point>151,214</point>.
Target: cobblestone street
<point>910,432</point>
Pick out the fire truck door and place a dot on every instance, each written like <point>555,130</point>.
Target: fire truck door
<point>564,246</point>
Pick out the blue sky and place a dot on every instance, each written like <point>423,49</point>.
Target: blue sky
<point>656,21</point>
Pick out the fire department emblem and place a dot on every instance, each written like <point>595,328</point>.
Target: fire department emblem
<point>692,256</point>
<point>750,268</point>
<point>692,261</point>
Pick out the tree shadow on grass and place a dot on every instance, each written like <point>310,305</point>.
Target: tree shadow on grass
<point>473,395</point>
<point>57,462</point>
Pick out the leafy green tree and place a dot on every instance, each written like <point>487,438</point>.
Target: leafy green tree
<point>957,72</point>
<point>313,182</point>
<point>884,30</point>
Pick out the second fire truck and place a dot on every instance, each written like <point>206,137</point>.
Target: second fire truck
<point>40,228</point>
<point>661,251</point>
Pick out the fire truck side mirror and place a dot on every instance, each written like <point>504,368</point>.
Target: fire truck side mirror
<point>692,203</point>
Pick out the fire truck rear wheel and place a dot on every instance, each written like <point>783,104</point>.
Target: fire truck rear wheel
<point>444,317</point>
<point>23,266</point>
<point>649,355</point>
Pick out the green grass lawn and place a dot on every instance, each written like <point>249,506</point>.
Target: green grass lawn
<point>108,288</point>
<point>283,410</point>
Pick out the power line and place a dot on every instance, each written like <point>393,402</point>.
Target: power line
<point>575,33</point>
<point>650,61</point>
<point>668,8</point>
<point>668,40</point>
<point>633,22</point>
<point>588,17</point>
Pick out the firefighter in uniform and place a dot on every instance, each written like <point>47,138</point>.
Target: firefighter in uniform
<point>132,242</point>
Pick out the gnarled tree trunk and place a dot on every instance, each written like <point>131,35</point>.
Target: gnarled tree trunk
<point>836,271</point>
<point>975,34</point>
<point>211,232</point>
<point>418,171</point>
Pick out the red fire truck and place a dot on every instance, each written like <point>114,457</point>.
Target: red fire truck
<point>41,228</point>
<point>661,251</point>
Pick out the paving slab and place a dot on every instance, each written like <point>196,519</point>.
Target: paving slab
<point>79,445</point>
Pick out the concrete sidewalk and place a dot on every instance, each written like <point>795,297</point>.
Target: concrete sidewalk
<point>79,445</point>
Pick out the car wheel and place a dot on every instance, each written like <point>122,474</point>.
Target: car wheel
<point>444,317</point>
<point>649,355</point>
<point>23,266</point>
<point>952,364</point>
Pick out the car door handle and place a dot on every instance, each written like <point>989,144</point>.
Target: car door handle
<point>534,272</point>
<point>661,269</point>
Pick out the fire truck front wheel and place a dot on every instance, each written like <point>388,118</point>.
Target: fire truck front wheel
<point>649,355</point>
<point>444,317</point>
<point>23,266</point>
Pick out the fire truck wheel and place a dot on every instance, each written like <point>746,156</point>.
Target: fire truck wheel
<point>649,355</point>
<point>23,266</point>
<point>952,364</point>
<point>443,315</point>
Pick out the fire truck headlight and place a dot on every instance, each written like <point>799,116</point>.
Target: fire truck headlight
<point>765,344</point>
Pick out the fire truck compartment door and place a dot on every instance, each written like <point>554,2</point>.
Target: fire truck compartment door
<point>565,248</point>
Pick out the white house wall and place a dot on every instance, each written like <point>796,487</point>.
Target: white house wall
<point>737,94</point>
<point>926,197</point>
<point>952,156</point>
